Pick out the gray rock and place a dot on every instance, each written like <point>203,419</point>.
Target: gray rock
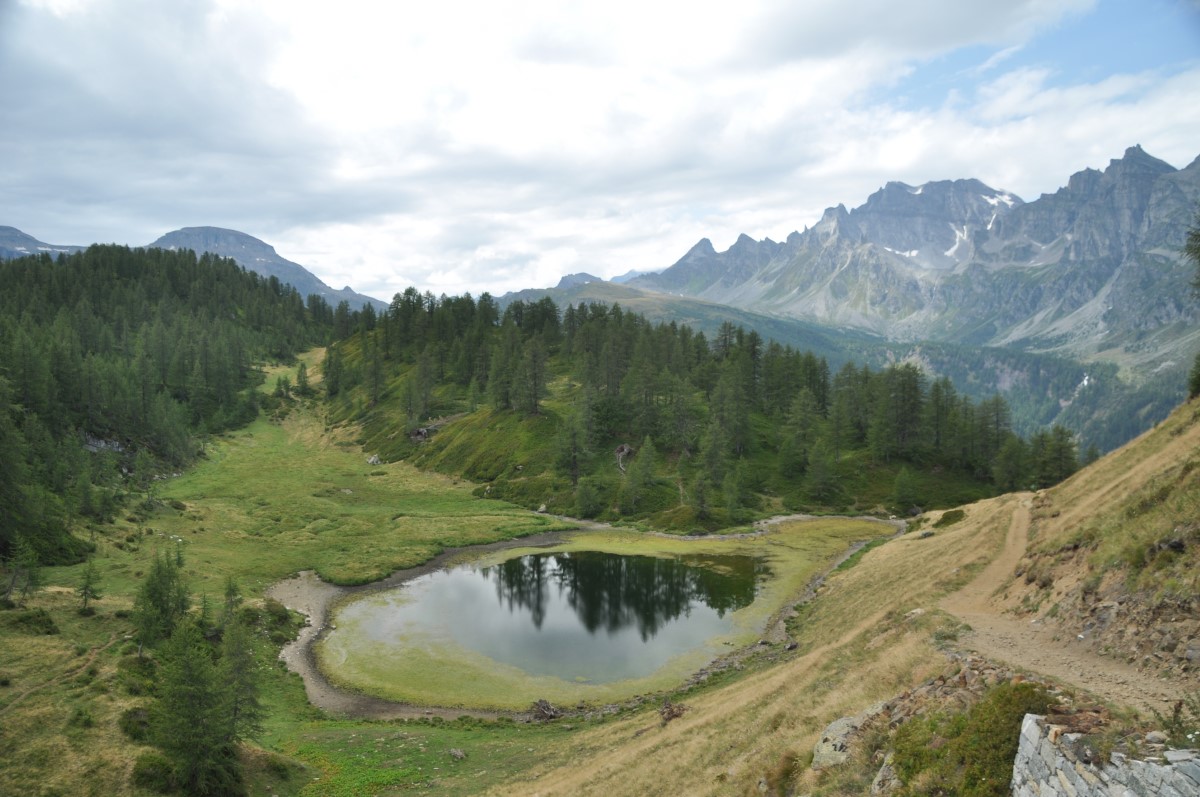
<point>886,780</point>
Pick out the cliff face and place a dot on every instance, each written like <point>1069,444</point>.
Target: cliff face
<point>1093,270</point>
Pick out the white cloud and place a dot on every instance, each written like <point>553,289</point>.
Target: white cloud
<point>477,146</point>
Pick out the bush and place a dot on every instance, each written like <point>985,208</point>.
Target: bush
<point>136,674</point>
<point>81,717</point>
<point>1183,726</point>
<point>968,754</point>
<point>135,723</point>
<point>154,772</point>
<point>949,518</point>
<point>30,621</point>
<point>276,613</point>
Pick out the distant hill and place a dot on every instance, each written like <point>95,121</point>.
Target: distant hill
<point>260,257</point>
<point>14,243</point>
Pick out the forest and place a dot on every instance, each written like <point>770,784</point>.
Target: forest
<point>116,365</point>
<point>656,420</point>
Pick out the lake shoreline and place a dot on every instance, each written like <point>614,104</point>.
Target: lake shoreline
<point>316,599</point>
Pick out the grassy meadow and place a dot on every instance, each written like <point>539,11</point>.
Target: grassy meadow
<point>288,493</point>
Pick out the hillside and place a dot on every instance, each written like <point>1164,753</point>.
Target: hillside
<point>882,627</point>
<point>879,627</point>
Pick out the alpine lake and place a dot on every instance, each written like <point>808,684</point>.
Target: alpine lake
<point>599,617</point>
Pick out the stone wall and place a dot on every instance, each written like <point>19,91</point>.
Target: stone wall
<point>1050,763</point>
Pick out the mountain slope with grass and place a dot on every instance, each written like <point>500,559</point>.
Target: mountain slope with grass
<point>885,626</point>
<point>886,623</point>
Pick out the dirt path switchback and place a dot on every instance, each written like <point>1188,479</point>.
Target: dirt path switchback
<point>1033,647</point>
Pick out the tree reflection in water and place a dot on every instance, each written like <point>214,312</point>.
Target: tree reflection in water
<point>611,592</point>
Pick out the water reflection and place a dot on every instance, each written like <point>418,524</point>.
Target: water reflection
<point>583,616</point>
<point>612,592</point>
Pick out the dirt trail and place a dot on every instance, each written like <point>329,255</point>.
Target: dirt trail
<point>1032,646</point>
<point>69,673</point>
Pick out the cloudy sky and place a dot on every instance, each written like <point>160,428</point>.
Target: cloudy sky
<point>471,146</point>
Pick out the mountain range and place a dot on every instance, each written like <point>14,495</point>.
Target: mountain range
<point>249,252</point>
<point>1092,271</point>
<point>1077,306</point>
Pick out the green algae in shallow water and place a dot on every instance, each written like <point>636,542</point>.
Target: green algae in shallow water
<point>428,666</point>
<point>582,616</point>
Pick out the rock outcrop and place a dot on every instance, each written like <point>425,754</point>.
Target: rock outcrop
<point>1049,764</point>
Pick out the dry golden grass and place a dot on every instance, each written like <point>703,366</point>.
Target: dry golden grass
<point>859,647</point>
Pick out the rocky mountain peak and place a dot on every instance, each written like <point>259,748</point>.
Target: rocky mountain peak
<point>582,278</point>
<point>217,240</point>
<point>260,257</point>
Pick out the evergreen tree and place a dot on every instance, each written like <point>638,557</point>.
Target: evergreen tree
<point>161,601</point>
<point>23,569</point>
<point>302,386</point>
<point>573,453</point>
<point>820,480</point>
<point>699,496</point>
<point>191,721</point>
<point>89,586</point>
<point>1011,468</point>
<point>232,600</point>
<point>640,477</point>
<point>905,493</point>
<point>803,425</point>
<point>244,712</point>
<point>588,501</point>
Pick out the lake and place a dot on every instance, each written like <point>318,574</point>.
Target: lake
<point>582,616</point>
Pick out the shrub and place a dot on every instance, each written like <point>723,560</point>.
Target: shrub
<point>949,518</point>
<point>1183,726</point>
<point>276,613</point>
<point>135,723</point>
<point>81,717</point>
<point>136,674</point>
<point>154,772</point>
<point>968,754</point>
<point>30,621</point>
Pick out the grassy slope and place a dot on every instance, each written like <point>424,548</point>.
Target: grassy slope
<point>862,641</point>
<point>516,454</point>
<point>270,500</point>
<point>859,640</point>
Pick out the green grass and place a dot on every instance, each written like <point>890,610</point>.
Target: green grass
<point>265,502</point>
<point>857,556</point>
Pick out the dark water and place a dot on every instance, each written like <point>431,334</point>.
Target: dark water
<point>586,616</point>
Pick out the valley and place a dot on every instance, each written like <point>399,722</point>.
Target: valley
<point>873,630</point>
<point>197,458</point>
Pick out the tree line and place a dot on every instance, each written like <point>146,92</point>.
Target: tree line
<point>113,353</point>
<point>728,416</point>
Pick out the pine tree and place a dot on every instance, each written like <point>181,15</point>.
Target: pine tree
<point>161,602</point>
<point>89,586</point>
<point>233,599</point>
<point>905,494</point>
<point>302,386</point>
<point>190,722</point>
<point>1010,471</point>
<point>244,711</point>
<point>572,451</point>
<point>820,480</point>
